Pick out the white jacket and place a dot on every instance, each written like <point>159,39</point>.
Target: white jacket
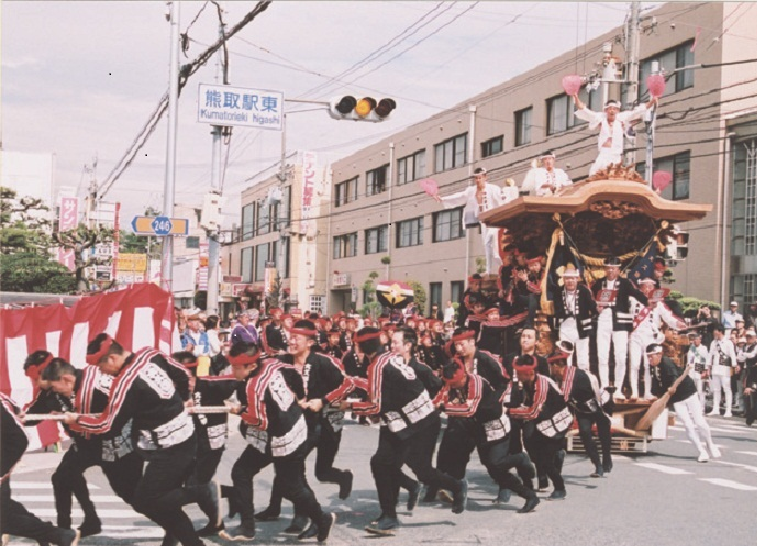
<point>607,132</point>
<point>713,362</point>
<point>467,197</point>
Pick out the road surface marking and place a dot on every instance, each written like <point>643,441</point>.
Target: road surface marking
<point>727,430</point>
<point>728,483</point>
<point>51,499</point>
<point>665,469</point>
<point>744,466</point>
<point>15,484</point>
<point>117,514</point>
<point>753,453</point>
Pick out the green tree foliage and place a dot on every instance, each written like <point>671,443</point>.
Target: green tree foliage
<point>32,272</point>
<point>27,263</point>
<point>419,295</point>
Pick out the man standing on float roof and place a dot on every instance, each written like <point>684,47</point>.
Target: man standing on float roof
<point>477,199</point>
<point>612,125</point>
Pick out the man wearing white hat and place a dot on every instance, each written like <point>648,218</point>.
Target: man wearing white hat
<point>730,317</point>
<point>647,322</point>
<point>612,125</point>
<point>721,360</point>
<point>574,309</point>
<point>547,180</point>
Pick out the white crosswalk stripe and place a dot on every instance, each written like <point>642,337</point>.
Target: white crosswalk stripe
<point>664,469</point>
<point>118,523</point>
<point>729,483</point>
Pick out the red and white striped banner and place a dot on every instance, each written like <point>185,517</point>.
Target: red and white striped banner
<point>138,316</point>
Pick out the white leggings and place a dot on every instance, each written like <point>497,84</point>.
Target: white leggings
<point>689,411</point>
<point>718,382</point>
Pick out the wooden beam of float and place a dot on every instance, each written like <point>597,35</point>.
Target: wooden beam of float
<point>597,195</point>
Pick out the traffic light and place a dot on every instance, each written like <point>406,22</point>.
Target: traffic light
<point>365,109</point>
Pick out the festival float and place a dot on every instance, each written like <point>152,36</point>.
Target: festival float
<point>613,213</point>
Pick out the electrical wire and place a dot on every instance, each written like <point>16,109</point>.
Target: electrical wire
<point>185,73</point>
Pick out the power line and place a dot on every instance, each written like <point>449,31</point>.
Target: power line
<point>185,73</point>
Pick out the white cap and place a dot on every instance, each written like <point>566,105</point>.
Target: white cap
<point>734,303</point>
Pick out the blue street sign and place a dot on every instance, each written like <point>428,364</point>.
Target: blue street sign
<point>161,225</point>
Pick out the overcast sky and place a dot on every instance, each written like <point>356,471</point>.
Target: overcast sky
<point>80,79</point>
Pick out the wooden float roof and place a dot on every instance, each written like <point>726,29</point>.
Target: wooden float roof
<point>582,196</point>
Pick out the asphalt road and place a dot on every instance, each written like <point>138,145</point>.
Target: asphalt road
<point>663,497</point>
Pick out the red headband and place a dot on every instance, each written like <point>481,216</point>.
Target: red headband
<point>94,359</point>
<point>243,359</point>
<point>459,374</point>
<point>34,371</point>
<point>367,337</point>
<point>523,367</point>
<point>534,260</point>
<point>558,357</point>
<point>304,332</point>
<point>468,334</point>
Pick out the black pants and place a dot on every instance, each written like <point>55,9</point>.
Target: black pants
<point>68,479</point>
<point>416,452</point>
<point>205,465</point>
<point>290,473</point>
<point>159,495</point>
<point>18,521</point>
<point>498,460</point>
<point>543,452</point>
<point>750,407</point>
<point>326,442</point>
<point>456,447</point>
<point>603,431</point>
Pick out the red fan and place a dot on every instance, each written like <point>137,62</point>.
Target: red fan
<point>429,186</point>
<point>571,84</point>
<point>661,179</point>
<point>656,85</point>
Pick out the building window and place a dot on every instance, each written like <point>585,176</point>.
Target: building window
<point>410,232</point>
<point>678,166</point>
<point>375,180</point>
<point>412,167</point>
<point>560,113</point>
<point>669,61</point>
<point>261,258</point>
<point>345,246</point>
<point>376,240</point>
<point>448,225</point>
<point>457,289</point>
<point>280,212</point>
<point>345,192</point>
<point>264,218</point>
<point>592,100</point>
<point>283,266</point>
<point>744,209</point>
<point>523,126</point>
<point>451,153</point>
<point>248,221</point>
<point>247,265</point>
<point>316,304</point>
<point>492,146</point>
<point>435,296</point>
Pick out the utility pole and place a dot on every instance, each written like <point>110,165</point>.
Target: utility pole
<point>214,244</point>
<point>633,48</point>
<point>169,190</point>
<point>649,118</point>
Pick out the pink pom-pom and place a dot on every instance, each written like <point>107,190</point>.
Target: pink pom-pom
<point>661,179</point>
<point>429,186</point>
<point>656,85</point>
<point>571,84</point>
